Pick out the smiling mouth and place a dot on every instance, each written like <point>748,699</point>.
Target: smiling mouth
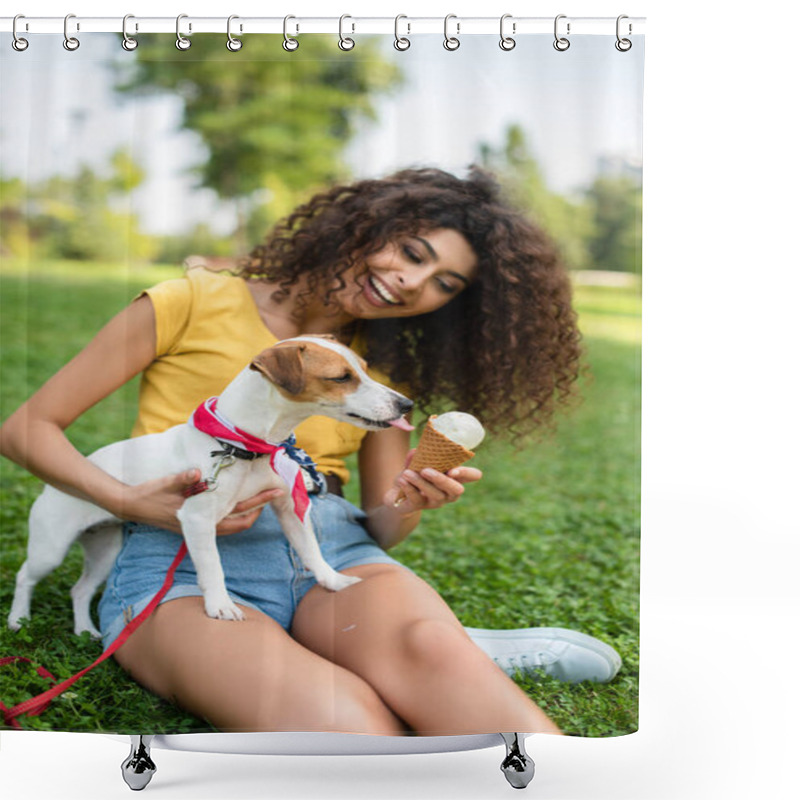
<point>382,291</point>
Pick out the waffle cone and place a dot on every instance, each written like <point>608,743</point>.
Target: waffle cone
<point>438,452</point>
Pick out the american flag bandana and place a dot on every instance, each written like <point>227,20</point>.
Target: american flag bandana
<point>285,458</point>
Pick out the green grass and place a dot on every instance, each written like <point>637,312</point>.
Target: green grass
<point>550,536</point>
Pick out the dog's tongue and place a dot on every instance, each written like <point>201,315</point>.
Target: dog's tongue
<point>402,423</point>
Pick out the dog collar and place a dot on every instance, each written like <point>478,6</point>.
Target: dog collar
<point>207,419</point>
<point>291,462</point>
<point>235,452</point>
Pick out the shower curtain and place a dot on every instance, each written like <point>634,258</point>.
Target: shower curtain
<point>124,161</point>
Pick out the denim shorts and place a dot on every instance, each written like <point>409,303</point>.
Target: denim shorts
<point>261,569</point>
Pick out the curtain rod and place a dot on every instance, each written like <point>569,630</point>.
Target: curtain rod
<point>348,25</point>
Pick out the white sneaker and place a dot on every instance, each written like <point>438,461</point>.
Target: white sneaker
<point>567,655</point>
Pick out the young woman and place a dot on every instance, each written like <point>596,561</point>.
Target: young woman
<point>449,293</point>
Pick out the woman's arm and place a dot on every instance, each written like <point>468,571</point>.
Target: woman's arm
<point>33,436</point>
<point>382,461</point>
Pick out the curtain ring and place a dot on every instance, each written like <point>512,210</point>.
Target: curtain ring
<point>623,45</point>
<point>18,43</point>
<point>290,44</point>
<point>451,42</point>
<point>128,42</point>
<point>345,42</point>
<point>70,42</point>
<point>182,43</point>
<point>506,42</point>
<point>233,44</point>
<point>561,43</point>
<point>401,42</point>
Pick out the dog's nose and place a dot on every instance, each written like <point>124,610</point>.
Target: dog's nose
<point>405,405</point>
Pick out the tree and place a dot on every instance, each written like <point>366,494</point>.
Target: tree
<point>616,243</point>
<point>271,120</point>
<point>76,217</point>
<point>13,224</point>
<point>566,221</point>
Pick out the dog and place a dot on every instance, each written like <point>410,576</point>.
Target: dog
<point>282,386</point>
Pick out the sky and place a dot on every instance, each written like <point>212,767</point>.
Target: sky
<point>576,107</point>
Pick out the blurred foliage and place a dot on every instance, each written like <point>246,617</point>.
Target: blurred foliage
<point>599,230</point>
<point>274,126</point>
<point>274,123</point>
<point>84,217</point>
<point>569,223</point>
<point>615,203</point>
<point>200,240</point>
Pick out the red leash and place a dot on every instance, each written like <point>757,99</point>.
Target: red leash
<point>35,705</point>
<point>40,671</point>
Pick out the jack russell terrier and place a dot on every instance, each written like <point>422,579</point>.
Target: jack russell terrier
<point>285,384</point>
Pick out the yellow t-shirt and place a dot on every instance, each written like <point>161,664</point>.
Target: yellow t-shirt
<point>207,330</point>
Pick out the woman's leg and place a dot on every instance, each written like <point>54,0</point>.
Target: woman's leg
<point>397,633</point>
<point>249,675</point>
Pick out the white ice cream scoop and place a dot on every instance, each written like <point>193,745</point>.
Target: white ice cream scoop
<point>460,428</point>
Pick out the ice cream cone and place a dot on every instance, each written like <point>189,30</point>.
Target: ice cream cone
<point>436,451</point>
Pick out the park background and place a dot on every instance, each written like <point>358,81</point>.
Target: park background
<point>720,544</point>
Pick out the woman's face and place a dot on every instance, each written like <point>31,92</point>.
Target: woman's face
<point>417,274</point>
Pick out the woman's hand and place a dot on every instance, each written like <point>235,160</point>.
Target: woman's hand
<point>383,464</point>
<point>246,512</point>
<point>158,501</point>
<point>428,488</point>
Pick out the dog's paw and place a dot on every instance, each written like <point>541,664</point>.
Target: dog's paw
<point>92,631</point>
<point>336,581</point>
<point>224,609</point>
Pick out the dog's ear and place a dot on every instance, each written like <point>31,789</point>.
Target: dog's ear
<point>283,366</point>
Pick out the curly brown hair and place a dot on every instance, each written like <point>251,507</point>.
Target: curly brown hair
<point>506,349</point>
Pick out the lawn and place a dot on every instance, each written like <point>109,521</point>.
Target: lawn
<point>550,537</point>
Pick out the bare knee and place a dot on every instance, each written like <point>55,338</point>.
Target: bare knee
<point>337,703</point>
<point>353,706</point>
<point>433,643</point>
